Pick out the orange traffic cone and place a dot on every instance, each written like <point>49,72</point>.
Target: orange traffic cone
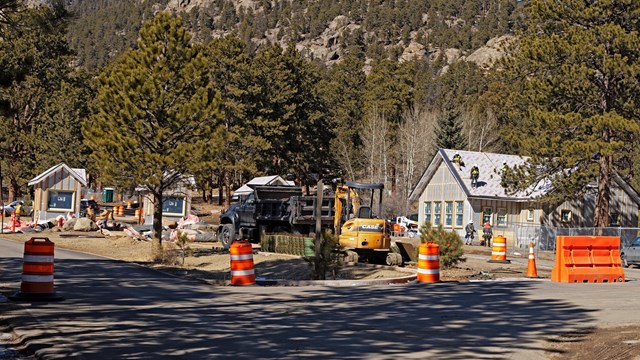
<point>531,269</point>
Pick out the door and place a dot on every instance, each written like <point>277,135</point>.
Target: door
<point>246,212</point>
<point>633,251</point>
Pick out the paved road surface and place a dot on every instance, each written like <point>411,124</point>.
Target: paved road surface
<point>116,310</point>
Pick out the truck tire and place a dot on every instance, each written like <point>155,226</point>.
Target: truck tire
<point>227,235</point>
<point>352,257</point>
<point>394,259</point>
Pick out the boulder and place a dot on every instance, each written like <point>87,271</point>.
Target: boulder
<point>85,224</point>
<point>69,224</point>
<point>415,51</point>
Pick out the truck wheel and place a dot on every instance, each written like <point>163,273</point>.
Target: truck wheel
<point>352,256</point>
<point>227,235</point>
<point>394,259</point>
<point>624,261</point>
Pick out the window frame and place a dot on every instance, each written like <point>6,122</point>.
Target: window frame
<point>460,215</point>
<point>531,214</point>
<point>569,217</point>
<point>184,206</point>
<point>438,213</point>
<point>506,218</point>
<point>448,215</point>
<point>73,200</point>
<point>614,215</point>
<point>484,214</point>
<point>427,206</point>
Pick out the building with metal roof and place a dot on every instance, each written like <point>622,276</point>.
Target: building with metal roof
<point>445,196</point>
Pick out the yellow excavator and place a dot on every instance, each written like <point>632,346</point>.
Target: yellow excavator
<point>361,232</point>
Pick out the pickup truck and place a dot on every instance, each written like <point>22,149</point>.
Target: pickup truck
<point>273,209</point>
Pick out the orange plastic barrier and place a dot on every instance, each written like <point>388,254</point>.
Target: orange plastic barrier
<point>242,272</point>
<point>587,259</point>
<point>37,271</point>
<point>429,262</point>
<point>499,250</point>
<point>396,228</point>
<point>121,210</point>
<point>532,271</point>
<point>129,204</point>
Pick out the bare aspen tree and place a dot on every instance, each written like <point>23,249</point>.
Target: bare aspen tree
<point>415,142</point>
<point>375,131</point>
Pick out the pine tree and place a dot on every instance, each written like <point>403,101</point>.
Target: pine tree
<point>34,70</point>
<point>574,75</point>
<point>449,130</point>
<point>154,111</point>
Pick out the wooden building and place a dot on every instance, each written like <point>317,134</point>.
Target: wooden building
<point>446,197</point>
<point>57,191</point>
<point>176,201</point>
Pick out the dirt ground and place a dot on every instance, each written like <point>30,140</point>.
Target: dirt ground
<point>597,344</point>
<point>208,261</point>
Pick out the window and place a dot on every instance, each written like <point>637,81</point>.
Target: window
<point>437,213</point>
<point>565,216</point>
<point>448,213</point>
<point>614,219</point>
<point>427,211</point>
<point>459,213</point>
<point>173,206</point>
<point>502,217</point>
<point>60,200</point>
<point>486,215</point>
<point>530,213</point>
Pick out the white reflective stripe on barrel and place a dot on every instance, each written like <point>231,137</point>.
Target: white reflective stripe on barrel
<point>38,258</point>
<point>428,257</point>
<point>429,271</point>
<point>242,257</point>
<point>531,257</point>
<point>499,243</point>
<point>37,278</point>
<point>498,253</point>
<point>242,272</point>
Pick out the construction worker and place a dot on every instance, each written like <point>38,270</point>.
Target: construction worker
<point>18,210</point>
<point>487,234</point>
<point>470,230</point>
<point>457,159</point>
<point>475,173</point>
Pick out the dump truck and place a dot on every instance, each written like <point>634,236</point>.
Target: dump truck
<point>272,208</point>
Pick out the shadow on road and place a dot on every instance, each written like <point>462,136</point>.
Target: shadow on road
<point>117,310</point>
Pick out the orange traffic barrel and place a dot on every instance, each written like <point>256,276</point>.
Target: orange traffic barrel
<point>137,213</point>
<point>532,271</point>
<point>129,204</point>
<point>121,210</point>
<point>37,271</point>
<point>499,250</point>
<point>242,272</point>
<point>429,262</point>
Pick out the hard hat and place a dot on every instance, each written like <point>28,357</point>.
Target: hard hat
<point>476,165</point>
<point>470,222</point>
<point>457,153</point>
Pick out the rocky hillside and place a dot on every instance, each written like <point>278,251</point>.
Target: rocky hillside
<point>324,30</point>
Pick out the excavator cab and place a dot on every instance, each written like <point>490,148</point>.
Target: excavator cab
<point>362,231</point>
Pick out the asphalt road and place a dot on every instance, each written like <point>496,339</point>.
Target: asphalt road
<point>115,310</point>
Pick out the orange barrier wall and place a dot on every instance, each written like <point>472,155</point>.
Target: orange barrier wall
<point>587,259</point>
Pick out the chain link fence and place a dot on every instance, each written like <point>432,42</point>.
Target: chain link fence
<point>520,235</point>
